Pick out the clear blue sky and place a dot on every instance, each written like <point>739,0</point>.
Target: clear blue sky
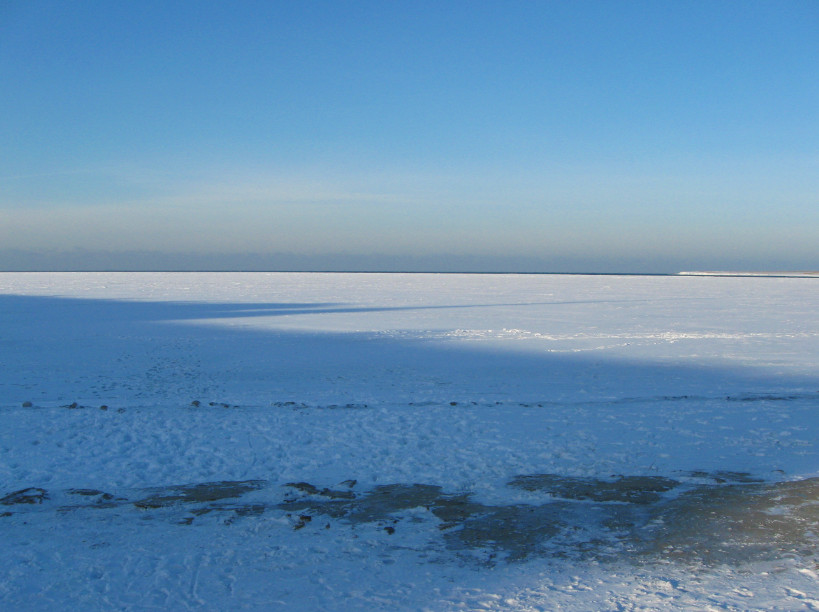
<point>636,136</point>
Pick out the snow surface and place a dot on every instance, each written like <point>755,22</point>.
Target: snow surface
<point>408,441</point>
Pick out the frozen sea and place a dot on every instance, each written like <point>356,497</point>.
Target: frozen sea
<point>305,441</point>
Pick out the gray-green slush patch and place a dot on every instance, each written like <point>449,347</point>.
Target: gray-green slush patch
<point>514,532</point>
<point>199,493</point>
<point>32,495</point>
<point>737,523</point>
<point>628,489</point>
<point>704,518</point>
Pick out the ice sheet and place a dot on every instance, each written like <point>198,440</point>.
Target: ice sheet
<point>132,385</point>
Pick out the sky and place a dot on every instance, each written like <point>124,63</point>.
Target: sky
<point>518,136</point>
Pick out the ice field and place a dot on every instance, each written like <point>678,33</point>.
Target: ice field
<point>295,441</point>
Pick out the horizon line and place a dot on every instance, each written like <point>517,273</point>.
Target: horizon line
<point>703,273</point>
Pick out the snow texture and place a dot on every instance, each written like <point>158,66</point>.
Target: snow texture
<point>229,441</point>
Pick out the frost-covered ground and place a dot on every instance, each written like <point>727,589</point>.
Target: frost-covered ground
<point>398,441</point>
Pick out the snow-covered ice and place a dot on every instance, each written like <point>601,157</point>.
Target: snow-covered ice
<point>408,441</point>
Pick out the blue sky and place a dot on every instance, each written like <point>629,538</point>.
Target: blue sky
<point>588,136</point>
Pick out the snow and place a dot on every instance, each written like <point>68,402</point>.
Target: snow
<point>408,441</point>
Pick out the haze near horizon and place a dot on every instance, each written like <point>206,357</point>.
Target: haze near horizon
<point>637,136</point>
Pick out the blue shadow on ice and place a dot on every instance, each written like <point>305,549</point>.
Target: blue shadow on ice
<point>114,350</point>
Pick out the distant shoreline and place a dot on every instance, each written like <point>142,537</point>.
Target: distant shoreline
<point>754,274</point>
<point>779,274</point>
